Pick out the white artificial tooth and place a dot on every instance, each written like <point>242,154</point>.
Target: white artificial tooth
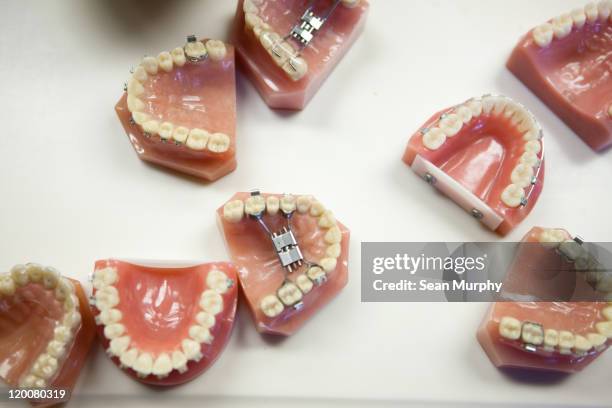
<point>567,340</point>
<point>162,365</point>
<point>252,20</point>
<point>304,283</point>
<point>110,316</point>
<point>192,349</point>
<point>114,330</point>
<point>179,361</point>
<point>597,340</point>
<point>45,366</point>
<point>475,105</point>
<point>562,26</point>
<point>510,328</point>
<point>434,138</point>
<point>604,328</point>
<point>134,87</point>
<point>140,118</point>
<point>143,364</point>
<point>180,134</point>
<point>219,143</point>
<point>268,39</point>
<point>528,123</point>
<point>522,175</point>
<point>56,348</point>
<point>20,275</point>
<point>62,334</point>
<point>333,235</point>
<point>288,203</point>
<point>328,264</point>
<point>105,277</point>
<point>578,17</point>
<point>216,50</point>
<point>513,196</point>
<point>71,303</point>
<point>552,236</point>
<point>327,219</point>
<point>532,134</point>
<point>200,334</point>
<point>607,312</point>
<point>255,205</point>
<point>140,74</point>
<point>260,29</point>
<point>128,358</point>
<point>151,127</point>
<point>591,11</point>
<point>316,274</point>
<point>178,56</point>
<point>249,6</point>
<point>63,289</point>
<point>119,345</point>
<point>530,159</point>
<point>551,339</point>
<point>582,345</point>
<point>571,249</point>
<point>465,114</point>
<point>195,50</point>
<point>532,334</point>
<point>350,3</point>
<point>28,381</point>
<point>7,285</point>
<point>164,59</point>
<point>280,50</point>
<point>206,320</point>
<point>135,104</point>
<point>499,106</point>
<point>211,302</point>
<point>603,9</point>
<point>107,298</point>
<point>72,319</point>
<point>271,306</point>
<point>217,281</point>
<point>451,124</point>
<point>35,272</point>
<point>289,294</point>
<point>50,277</point>
<point>296,67</point>
<point>198,138</point>
<point>272,205</point>
<point>150,65</point>
<point>233,211</point>
<point>333,251</point>
<point>40,383</point>
<point>303,204</point>
<point>543,35</point>
<point>488,103</point>
<point>316,209</point>
<point>165,130</point>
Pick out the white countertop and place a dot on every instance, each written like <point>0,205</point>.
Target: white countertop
<point>73,191</point>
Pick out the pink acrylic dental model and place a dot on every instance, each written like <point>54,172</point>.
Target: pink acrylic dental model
<point>289,47</point>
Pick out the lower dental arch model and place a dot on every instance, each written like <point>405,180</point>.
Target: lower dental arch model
<point>164,325</point>
<point>289,47</point>
<point>553,336</point>
<point>291,253</point>
<point>486,155</point>
<point>46,328</point>
<point>179,109</point>
<point>566,62</point>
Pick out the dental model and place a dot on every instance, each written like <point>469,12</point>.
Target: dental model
<point>46,331</point>
<point>553,336</point>
<point>486,155</point>
<point>566,63</point>
<point>164,325</point>
<point>291,253</point>
<point>289,47</point>
<point>179,109</point>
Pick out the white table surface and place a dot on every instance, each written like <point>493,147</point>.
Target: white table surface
<point>73,191</point>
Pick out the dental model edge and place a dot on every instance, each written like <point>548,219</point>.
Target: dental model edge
<point>143,363</point>
<point>291,293</point>
<point>47,364</point>
<point>197,139</point>
<point>285,55</point>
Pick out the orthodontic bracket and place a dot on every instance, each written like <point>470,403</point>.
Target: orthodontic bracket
<point>309,24</point>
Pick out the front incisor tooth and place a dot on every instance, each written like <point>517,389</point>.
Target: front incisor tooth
<point>162,365</point>
<point>271,306</point>
<point>119,345</point>
<point>198,139</point>
<point>604,328</point>
<point>192,349</point>
<point>272,205</point>
<point>128,359</point>
<point>591,11</point>
<point>578,17</point>
<point>219,143</point>
<point>211,302</point>
<point>451,124</point>
<point>603,9</point>
<point>513,196</point>
<point>304,283</point>
<point>217,281</point>
<point>178,56</point>
<point>216,50</point>
<point>303,204</point>
<point>333,235</point>
<point>165,130</point>
<point>328,264</point>
<point>543,35</point>
<point>200,334</point>
<point>144,364</point>
<point>20,275</point>
<point>475,106</point>
<point>150,65</point>
<point>288,203</point>
<point>289,294</point>
<point>114,330</point>
<point>567,340</point>
<point>522,175</point>
<point>255,205</point>
<point>434,138</point>
<point>562,26</point>
<point>510,328</point>
<point>180,134</point>
<point>233,211</point>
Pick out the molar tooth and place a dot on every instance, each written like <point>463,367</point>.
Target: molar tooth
<point>71,303</point>
<point>304,283</point>
<point>178,56</point>
<point>272,205</point>
<point>107,298</point>
<point>197,139</point>
<point>499,106</point>
<point>134,87</point>
<point>333,251</point>
<point>271,306</point>
<point>62,334</point>
<point>551,340</point>
<point>7,285</point>
<point>192,349</point>
<point>597,340</point>
<point>465,113</point>
<point>29,381</point>
<point>128,358</point>
<point>582,345</point>
<point>219,143</point>
<point>211,302</point>
<point>72,319</point>
<point>303,204</point>
<point>195,50</point>
<point>45,366</point>
<point>35,272</point>
<point>140,74</point>
<point>143,364</point>
<point>104,277</point>
<point>164,59</point>
<point>578,17</point>
<point>150,65</point>
<point>268,39</point>
<point>510,328</point>
<point>233,211</point>
<point>140,118</point>
<point>522,175</point>
<point>607,312</point>
<point>179,361</point>
<point>289,294</point>
<point>296,67</point>
<point>281,51</point>
<point>532,334</point>
<point>591,11</point>
<point>533,146</point>
<point>205,319</point>
<point>119,345</point>
<point>333,235</point>
<point>513,196</point>
<point>604,328</point>
<point>475,106</point>
<point>56,348</point>
<point>151,127</point>
<point>288,203</point>
<point>165,130</point>
<point>316,209</point>
<point>217,281</point>
<point>50,277</point>
<point>20,275</point>
<point>530,158</point>
<point>603,9</point>
<point>200,334</point>
<point>162,365</point>
<point>328,264</point>
<point>571,249</point>
<point>434,138</point>
<point>552,236</point>
<point>567,340</point>
<point>255,205</point>
<point>110,316</point>
<point>317,275</point>
<point>562,26</point>
<point>451,124</point>
<point>180,134</point>
<point>252,20</point>
<point>216,49</point>
<point>64,289</point>
<point>135,104</point>
<point>543,35</point>
<point>249,6</point>
<point>260,29</point>
<point>327,220</point>
<point>114,330</point>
